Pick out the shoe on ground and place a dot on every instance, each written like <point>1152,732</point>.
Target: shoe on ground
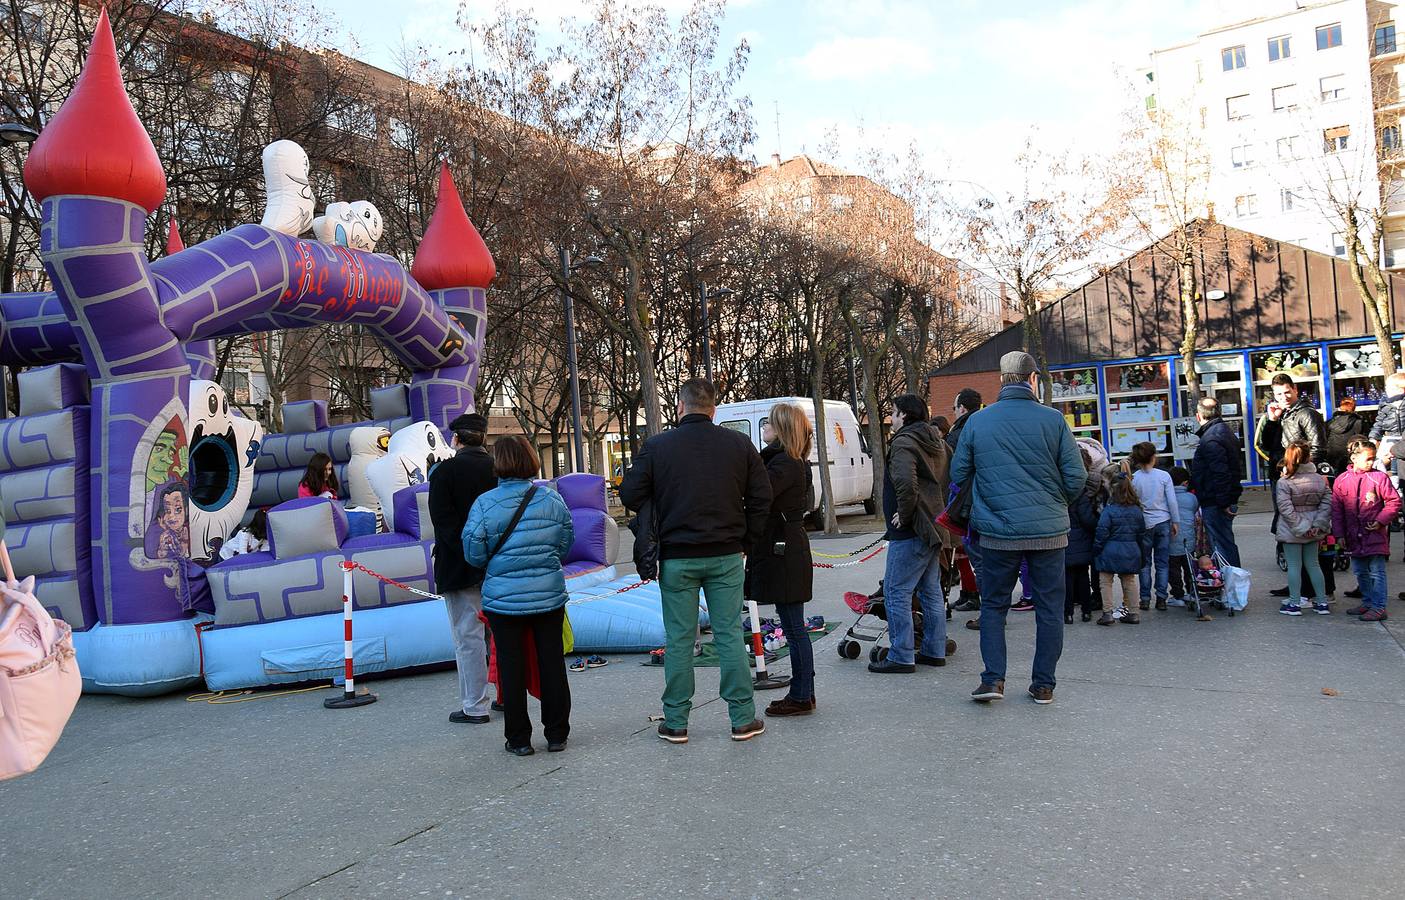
<point>1400,596</point>
<point>1025,605</point>
<point>518,751</point>
<point>967,602</point>
<point>1355,594</point>
<point>673,735</point>
<point>577,664</point>
<point>1358,610</point>
<point>1145,604</point>
<point>459,717</point>
<point>1068,619</point>
<point>1131,618</point>
<point>1374,615</point>
<point>788,707</point>
<point>988,692</point>
<point>1119,612</point>
<point>749,731</point>
<point>1278,592</point>
<point>596,662</point>
<point>1322,609</point>
<point>498,707</point>
<point>924,659</point>
<point>1042,695</point>
<point>1304,603</point>
<point>1107,618</point>
<point>1087,616</point>
<point>1290,608</point>
<point>886,666</point>
<point>556,747</point>
<point>1160,604</point>
<point>973,624</point>
<point>1176,601</point>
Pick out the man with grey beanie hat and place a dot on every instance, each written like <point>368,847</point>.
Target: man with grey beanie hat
<point>1025,470</point>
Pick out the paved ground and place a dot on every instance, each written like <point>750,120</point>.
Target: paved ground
<point>1181,759</point>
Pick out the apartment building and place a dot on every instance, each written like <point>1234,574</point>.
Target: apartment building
<point>1291,111</point>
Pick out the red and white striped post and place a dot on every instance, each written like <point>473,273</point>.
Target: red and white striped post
<point>764,682</point>
<point>348,699</point>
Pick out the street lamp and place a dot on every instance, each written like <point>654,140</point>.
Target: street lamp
<point>568,305</point>
<point>704,296</point>
<point>15,133</point>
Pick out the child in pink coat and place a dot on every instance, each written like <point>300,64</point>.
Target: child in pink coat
<point>1364,503</point>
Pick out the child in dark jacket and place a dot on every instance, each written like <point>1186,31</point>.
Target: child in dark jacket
<point>1083,523</point>
<point>1183,544</point>
<point>1364,503</point>
<point>1121,544</point>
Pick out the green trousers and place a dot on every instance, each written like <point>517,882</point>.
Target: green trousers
<point>720,579</point>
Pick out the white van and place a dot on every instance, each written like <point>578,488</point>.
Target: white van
<point>850,465</point>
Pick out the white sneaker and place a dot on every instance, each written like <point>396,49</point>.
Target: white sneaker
<point>1175,601</point>
<point>1304,603</point>
<point>1119,612</point>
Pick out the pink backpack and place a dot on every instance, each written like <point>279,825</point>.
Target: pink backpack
<point>39,680</point>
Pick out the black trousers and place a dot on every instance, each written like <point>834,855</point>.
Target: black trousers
<point>1078,590</point>
<point>510,634</point>
<point>1181,575</point>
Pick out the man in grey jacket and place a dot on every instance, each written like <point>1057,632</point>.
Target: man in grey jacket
<point>1027,470</point>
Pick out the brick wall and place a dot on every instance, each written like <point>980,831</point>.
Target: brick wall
<point>942,390</point>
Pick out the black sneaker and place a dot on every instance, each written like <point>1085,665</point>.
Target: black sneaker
<point>459,717</point>
<point>1145,604</point>
<point>497,707</point>
<point>1281,592</point>
<point>1354,593</point>
<point>1025,605</point>
<point>556,747</point>
<point>673,735</point>
<point>1042,695</point>
<point>519,751</point>
<point>1131,619</point>
<point>924,659</point>
<point>988,692</point>
<point>886,666</point>
<point>1107,618</point>
<point>967,602</point>
<point>1160,604</point>
<point>749,731</point>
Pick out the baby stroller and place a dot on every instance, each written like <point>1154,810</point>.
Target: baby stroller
<point>1205,588</point>
<point>872,624</point>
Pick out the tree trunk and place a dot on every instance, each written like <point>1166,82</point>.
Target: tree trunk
<point>643,349</point>
<point>1190,333</point>
<point>1034,345</point>
<point>875,435</point>
<point>831,520</point>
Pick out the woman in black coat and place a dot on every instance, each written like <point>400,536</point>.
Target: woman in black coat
<point>778,566</point>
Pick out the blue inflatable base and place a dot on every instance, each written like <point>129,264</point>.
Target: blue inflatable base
<point>604,621</point>
<point>139,660</point>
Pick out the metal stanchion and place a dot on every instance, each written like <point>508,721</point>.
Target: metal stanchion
<point>348,699</point>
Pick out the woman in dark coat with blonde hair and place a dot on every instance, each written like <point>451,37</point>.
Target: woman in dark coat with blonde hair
<point>778,566</point>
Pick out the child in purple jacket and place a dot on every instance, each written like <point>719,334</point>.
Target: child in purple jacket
<point>1364,503</point>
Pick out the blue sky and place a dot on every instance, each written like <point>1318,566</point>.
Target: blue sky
<point>967,80</point>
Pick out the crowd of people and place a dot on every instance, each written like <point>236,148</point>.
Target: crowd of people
<point>1002,494</point>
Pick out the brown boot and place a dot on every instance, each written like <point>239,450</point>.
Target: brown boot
<point>788,707</point>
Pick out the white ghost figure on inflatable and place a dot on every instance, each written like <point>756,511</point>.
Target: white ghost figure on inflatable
<point>368,444</point>
<point>412,451</point>
<point>289,201</point>
<point>356,225</point>
<point>223,450</point>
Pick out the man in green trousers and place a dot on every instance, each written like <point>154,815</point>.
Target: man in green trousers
<point>709,495</point>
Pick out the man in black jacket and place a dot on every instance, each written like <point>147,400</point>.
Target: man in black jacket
<point>710,496</point>
<point>1217,474</point>
<point>453,486</point>
<point>967,402</point>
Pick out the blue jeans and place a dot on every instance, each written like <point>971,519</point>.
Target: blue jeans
<point>1160,560</point>
<point>913,566</point>
<point>802,654</point>
<point>1219,525</point>
<point>1370,576</point>
<point>999,571</point>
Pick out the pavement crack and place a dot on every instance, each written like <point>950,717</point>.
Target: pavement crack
<point>538,777</point>
<point>415,834</point>
<point>317,880</point>
<point>1217,690</point>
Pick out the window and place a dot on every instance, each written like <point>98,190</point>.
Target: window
<point>1285,97</point>
<point>1394,249</point>
<point>1286,198</point>
<point>1333,88</point>
<point>1329,36</point>
<point>1334,139</point>
<point>1246,205</point>
<point>740,426</point>
<point>1232,58</point>
<point>1385,39</point>
<point>1339,244</point>
<point>1151,103</point>
<point>1242,156</point>
<point>1288,147</point>
<point>1390,137</point>
<point>1279,48</point>
<point>1237,107</point>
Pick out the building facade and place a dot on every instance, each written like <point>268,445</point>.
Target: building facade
<point>1292,111</point>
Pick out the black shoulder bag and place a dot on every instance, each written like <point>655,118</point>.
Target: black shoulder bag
<point>512,525</point>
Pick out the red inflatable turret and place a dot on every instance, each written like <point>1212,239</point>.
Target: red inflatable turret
<point>174,244</point>
<point>95,145</point>
<point>452,253</point>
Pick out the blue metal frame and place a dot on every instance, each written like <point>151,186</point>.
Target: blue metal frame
<point>1326,386</point>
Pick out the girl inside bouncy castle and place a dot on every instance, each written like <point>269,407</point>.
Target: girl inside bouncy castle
<point>320,479</point>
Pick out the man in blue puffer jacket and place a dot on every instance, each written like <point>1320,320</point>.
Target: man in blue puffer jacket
<point>1027,471</point>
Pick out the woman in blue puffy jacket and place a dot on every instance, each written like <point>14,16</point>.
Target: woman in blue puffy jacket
<point>1122,544</point>
<point>519,533</point>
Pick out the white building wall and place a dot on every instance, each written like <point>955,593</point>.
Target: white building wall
<point>1249,169</point>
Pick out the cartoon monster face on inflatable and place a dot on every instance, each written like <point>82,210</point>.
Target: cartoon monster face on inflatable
<point>412,451</point>
<point>356,225</point>
<point>223,449</point>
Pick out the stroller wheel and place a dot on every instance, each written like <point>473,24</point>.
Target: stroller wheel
<point>849,649</point>
<point>1282,559</point>
<point>876,654</point>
